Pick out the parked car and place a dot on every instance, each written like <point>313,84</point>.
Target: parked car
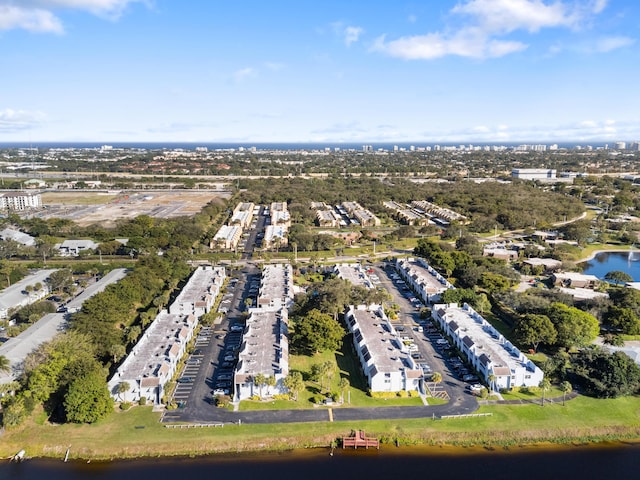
<point>185,380</point>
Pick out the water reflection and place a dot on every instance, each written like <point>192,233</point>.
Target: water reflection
<point>605,461</point>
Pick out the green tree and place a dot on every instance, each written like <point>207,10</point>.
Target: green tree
<point>492,382</point>
<point>534,329</point>
<point>494,282</point>
<point>5,364</point>
<point>565,387</point>
<point>606,375</point>
<point>545,386</point>
<point>271,381</point>
<point>623,318</point>
<point>123,387</point>
<point>575,328</point>
<point>343,385</point>
<point>295,383</point>
<point>88,399</point>
<point>260,380</point>
<point>316,332</point>
<point>618,277</point>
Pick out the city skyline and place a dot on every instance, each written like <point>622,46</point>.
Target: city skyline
<point>458,71</point>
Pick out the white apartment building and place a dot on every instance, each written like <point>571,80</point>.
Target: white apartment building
<point>16,296</point>
<point>384,359</point>
<point>275,236</point>
<point>199,294</point>
<point>265,346</point>
<point>264,350</point>
<point>355,273</point>
<point>242,215</point>
<point>227,237</point>
<point>20,201</point>
<point>425,281</point>
<point>153,360</point>
<point>485,348</point>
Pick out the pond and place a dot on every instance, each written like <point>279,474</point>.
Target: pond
<point>628,262</point>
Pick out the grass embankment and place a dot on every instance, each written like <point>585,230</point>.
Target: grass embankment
<point>138,433</point>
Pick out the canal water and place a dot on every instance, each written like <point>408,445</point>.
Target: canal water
<point>619,461</point>
<point>605,262</point>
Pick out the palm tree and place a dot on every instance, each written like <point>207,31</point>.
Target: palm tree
<point>492,382</point>
<point>5,364</point>
<point>295,383</point>
<point>271,381</point>
<point>123,387</point>
<point>436,378</point>
<point>259,380</point>
<point>343,385</point>
<point>566,388</point>
<point>545,385</point>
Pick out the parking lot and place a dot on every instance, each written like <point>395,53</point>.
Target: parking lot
<point>429,349</point>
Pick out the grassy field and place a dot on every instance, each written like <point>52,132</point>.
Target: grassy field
<point>138,431</point>
<point>77,198</point>
<point>345,366</point>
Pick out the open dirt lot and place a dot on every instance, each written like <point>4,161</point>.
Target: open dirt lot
<point>86,207</point>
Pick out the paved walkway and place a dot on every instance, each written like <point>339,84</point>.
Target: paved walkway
<point>464,404</point>
<point>538,401</point>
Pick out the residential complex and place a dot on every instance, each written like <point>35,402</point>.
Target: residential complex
<point>28,290</point>
<point>427,283</point>
<point>227,237</point>
<point>265,345</point>
<point>497,360</point>
<point>361,215</point>
<point>354,272</point>
<point>154,359</point>
<point>242,215</point>
<point>384,359</point>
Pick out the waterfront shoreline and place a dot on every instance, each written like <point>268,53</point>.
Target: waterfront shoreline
<point>595,253</point>
<point>424,444</point>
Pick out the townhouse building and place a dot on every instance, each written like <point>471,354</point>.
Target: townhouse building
<point>154,359</point>
<point>242,215</point>
<point>227,237</point>
<point>265,344</point>
<point>425,281</point>
<point>384,359</point>
<point>497,361</point>
<point>199,294</point>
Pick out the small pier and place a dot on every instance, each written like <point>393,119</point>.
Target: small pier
<point>359,439</point>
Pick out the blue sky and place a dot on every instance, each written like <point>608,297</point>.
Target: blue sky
<point>319,71</point>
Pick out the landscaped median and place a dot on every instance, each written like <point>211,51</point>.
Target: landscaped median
<point>139,433</point>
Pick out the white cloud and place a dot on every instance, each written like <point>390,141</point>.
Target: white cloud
<point>13,120</point>
<point>608,44</point>
<point>243,73</point>
<point>352,34</point>
<point>485,24</point>
<point>435,45</point>
<point>33,20</point>
<point>39,16</point>
<point>580,131</point>
<point>504,16</point>
<point>349,34</point>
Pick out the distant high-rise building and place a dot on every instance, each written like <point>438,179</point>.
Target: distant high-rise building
<point>620,145</point>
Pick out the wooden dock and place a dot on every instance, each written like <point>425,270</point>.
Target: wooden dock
<point>359,439</point>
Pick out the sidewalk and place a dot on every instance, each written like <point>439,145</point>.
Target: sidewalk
<point>536,401</point>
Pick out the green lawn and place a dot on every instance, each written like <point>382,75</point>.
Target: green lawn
<point>138,431</point>
<point>347,366</point>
